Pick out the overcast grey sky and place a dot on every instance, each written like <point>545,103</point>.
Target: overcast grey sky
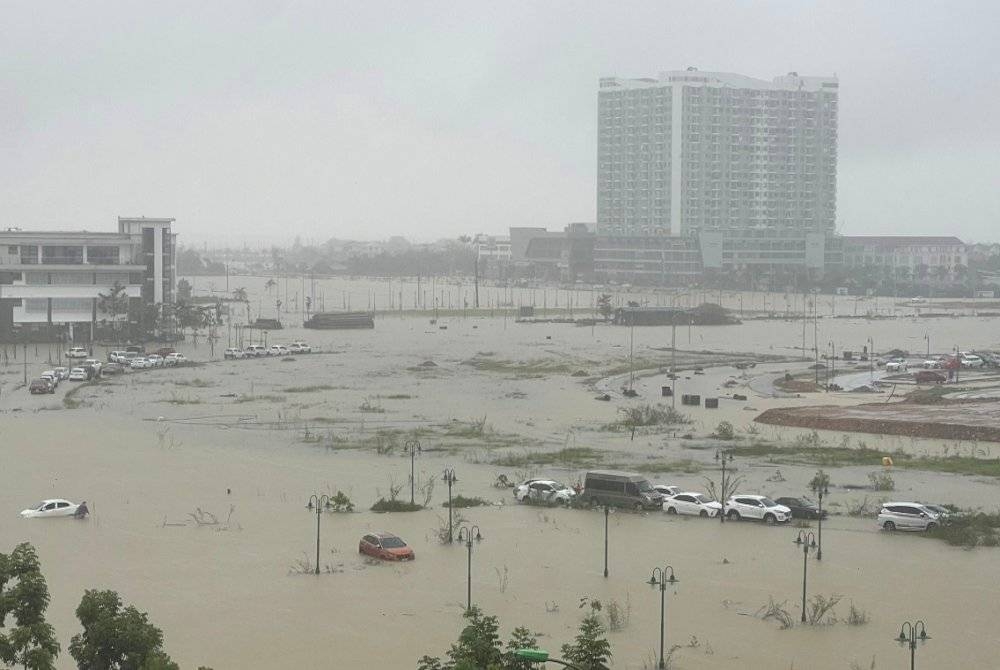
<point>259,121</point>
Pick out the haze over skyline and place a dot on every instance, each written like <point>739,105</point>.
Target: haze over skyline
<point>258,122</point>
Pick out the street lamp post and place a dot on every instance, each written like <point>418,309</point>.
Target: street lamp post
<point>449,478</point>
<point>467,534</point>
<point>723,456</point>
<point>820,488</point>
<point>927,338</point>
<point>871,358</point>
<point>661,577</point>
<point>412,446</point>
<point>910,634</point>
<point>833,365</point>
<point>607,511</point>
<point>319,502</point>
<point>807,541</point>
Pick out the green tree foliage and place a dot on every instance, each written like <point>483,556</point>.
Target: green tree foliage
<point>116,637</point>
<point>24,596</point>
<point>114,303</point>
<point>604,307</point>
<point>184,289</point>
<point>590,650</point>
<point>479,647</point>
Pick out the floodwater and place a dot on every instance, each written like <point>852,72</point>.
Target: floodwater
<point>146,452</point>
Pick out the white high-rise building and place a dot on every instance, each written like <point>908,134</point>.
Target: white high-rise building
<point>691,151</point>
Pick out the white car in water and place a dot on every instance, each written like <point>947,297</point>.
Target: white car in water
<point>757,507</point>
<point>50,508</point>
<point>695,504</point>
<point>544,491</point>
<point>666,490</point>
<point>78,375</point>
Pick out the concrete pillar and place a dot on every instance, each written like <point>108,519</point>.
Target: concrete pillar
<point>157,265</point>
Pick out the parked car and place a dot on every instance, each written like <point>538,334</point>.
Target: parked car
<point>620,489</point>
<point>41,386</point>
<point>896,366</point>
<point>689,502</point>
<point>94,363</point>
<point>933,364</point>
<point>756,507</point>
<point>77,352</point>
<point>906,516</point>
<point>62,373</point>
<point>232,353</point>
<point>112,369</point>
<point>163,352</point>
<point>50,508</point>
<point>544,491</point>
<point>139,363</point>
<point>175,359</point>
<point>802,508</point>
<point>295,349</point>
<point>665,490</point>
<point>385,546</point>
<point>277,350</point>
<point>972,361</point>
<point>116,356</point>
<point>78,375</point>
<point>154,361</point>
<point>303,347</point>
<point>929,377</point>
<point>255,350</point>
<point>51,376</point>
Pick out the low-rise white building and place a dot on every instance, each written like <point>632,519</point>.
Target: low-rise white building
<point>56,278</point>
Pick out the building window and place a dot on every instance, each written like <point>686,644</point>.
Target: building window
<point>102,255</point>
<point>62,255</point>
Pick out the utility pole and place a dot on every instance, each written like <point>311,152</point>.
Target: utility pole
<point>477,278</point>
<point>25,363</point>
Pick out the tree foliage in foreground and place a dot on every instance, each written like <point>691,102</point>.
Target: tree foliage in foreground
<point>479,646</point>
<point>116,637</point>
<point>31,642</point>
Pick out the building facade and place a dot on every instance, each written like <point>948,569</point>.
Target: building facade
<point>56,278</point>
<point>914,258</point>
<point>690,151</point>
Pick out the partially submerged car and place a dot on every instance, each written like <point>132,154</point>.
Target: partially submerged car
<point>690,502</point>
<point>802,508</point>
<point>756,507</point>
<point>54,507</point>
<point>385,546</point>
<point>544,491</point>
<point>41,386</point>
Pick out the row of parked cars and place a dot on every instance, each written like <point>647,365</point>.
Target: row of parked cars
<point>634,491</point>
<point>260,351</point>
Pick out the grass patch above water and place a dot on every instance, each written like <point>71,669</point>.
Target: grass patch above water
<point>570,456</point>
<point>969,530</point>
<point>522,369</point>
<point>261,398</point>
<point>463,502</point>
<point>641,416</point>
<point>310,389</point>
<point>383,505</point>
<point>197,382</point>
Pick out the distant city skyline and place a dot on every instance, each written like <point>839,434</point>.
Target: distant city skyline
<point>256,124</point>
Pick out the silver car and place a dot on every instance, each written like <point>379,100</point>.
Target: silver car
<point>907,516</point>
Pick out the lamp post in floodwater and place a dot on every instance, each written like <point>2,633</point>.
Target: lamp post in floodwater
<point>723,456</point>
<point>449,478</point>
<point>807,541</point>
<point>467,534</point>
<point>607,511</point>
<point>412,446</point>
<point>319,503</point>
<point>821,487</point>
<point>910,634</point>
<point>661,577</point>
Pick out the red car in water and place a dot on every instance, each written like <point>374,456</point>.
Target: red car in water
<point>385,546</point>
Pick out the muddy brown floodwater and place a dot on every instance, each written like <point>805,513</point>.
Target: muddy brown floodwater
<point>149,449</point>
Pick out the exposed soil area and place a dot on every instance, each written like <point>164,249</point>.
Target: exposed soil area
<point>953,421</point>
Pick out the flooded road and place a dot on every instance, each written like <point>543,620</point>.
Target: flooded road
<point>148,450</point>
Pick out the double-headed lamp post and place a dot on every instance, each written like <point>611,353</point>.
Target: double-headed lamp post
<point>541,656</point>
<point>467,534</point>
<point>662,577</point>
<point>319,502</point>
<point>820,488</point>
<point>723,456</point>
<point>910,634</point>
<point>807,541</point>
<point>412,446</point>
<point>449,478</point>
